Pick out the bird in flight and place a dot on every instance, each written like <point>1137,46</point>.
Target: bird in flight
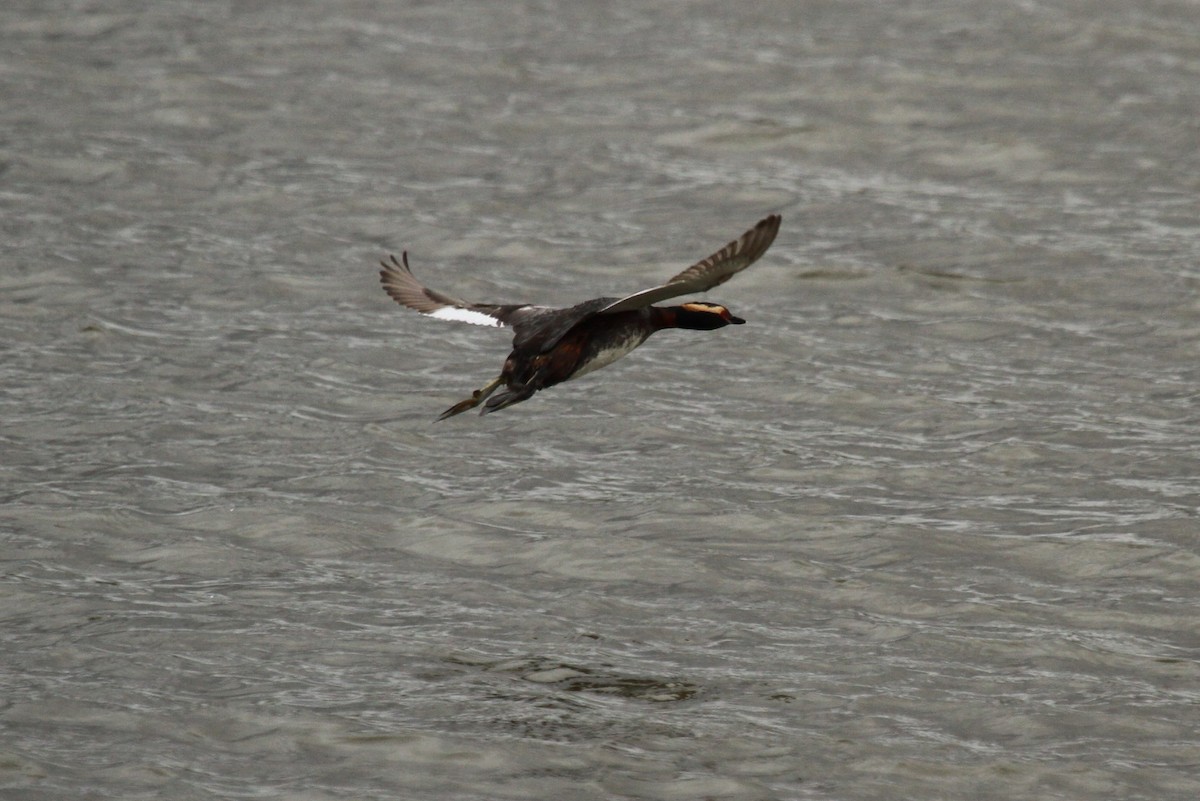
<point>553,345</point>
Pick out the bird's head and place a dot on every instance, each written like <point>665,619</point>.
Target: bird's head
<point>703,316</point>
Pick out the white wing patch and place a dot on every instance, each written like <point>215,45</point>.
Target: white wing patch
<point>465,316</point>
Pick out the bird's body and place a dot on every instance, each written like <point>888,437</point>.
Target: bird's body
<point>554,345</point>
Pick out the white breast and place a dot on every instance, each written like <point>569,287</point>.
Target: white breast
<point>612,350</point>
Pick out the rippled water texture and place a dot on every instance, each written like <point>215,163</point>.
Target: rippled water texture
<point>926,527</point>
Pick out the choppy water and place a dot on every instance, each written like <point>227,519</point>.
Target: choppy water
<point>925,528</point>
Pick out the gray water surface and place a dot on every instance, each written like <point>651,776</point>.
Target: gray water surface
<point>926,527</point>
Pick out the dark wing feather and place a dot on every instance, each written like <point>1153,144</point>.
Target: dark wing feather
<point>546,328</point>
<point>713,271</point>
<point>400,284</point>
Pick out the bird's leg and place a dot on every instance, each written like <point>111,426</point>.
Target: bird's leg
<point>509,397</point>
<point>477,397</point>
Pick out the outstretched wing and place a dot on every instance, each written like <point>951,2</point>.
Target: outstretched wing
<point>713,271</point>
<point>399,282</point>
